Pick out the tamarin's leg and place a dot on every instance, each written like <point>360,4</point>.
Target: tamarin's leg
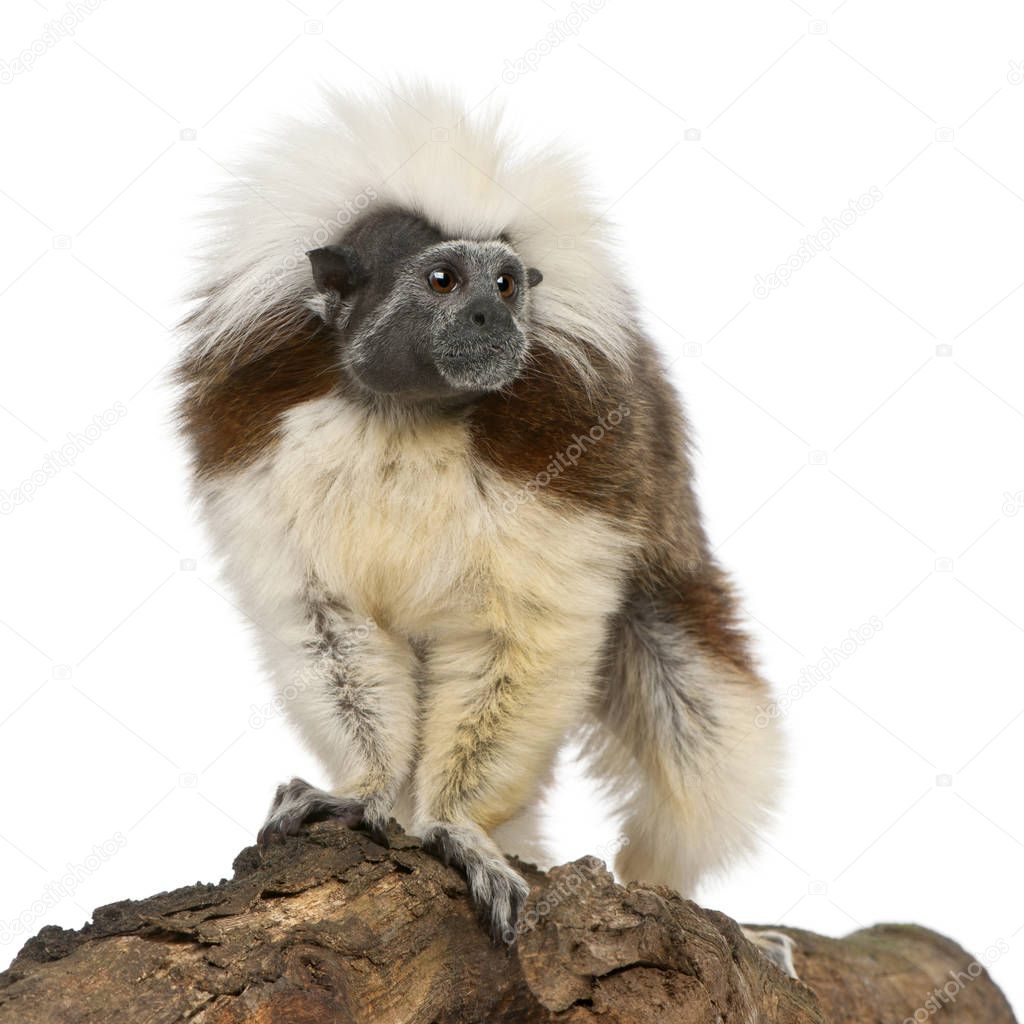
<point>497,711</point>
<point>524,835</point>
<point>352,692</point>
<point>680,734</point>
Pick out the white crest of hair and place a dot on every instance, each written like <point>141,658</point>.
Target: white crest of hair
<point>418,147</point>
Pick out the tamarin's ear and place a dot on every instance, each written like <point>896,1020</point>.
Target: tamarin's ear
<point>337,269</point>
<point>533,276</point>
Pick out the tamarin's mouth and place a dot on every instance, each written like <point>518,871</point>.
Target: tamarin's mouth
<point>480,370</point>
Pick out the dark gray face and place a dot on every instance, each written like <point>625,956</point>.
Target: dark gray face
<point>422,317</point>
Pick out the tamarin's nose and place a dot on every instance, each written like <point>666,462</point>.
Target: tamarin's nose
<point>482,313</point>
<point>478,313</point>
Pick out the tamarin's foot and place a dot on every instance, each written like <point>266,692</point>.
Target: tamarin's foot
<point>777,946</point>
<point>297,803</point>
<point>497,890</point>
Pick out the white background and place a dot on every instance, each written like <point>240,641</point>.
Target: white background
<point>860,428</point>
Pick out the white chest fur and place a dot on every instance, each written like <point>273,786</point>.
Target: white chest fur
<point>405,526</point>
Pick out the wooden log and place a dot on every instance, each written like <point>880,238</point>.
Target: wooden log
<point>331,927</point>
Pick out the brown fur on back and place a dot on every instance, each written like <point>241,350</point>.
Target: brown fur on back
<point>230,412</point>
<point>539,429</point>
<point>639,472</point>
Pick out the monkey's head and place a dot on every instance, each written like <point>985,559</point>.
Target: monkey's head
<point>423,317</point>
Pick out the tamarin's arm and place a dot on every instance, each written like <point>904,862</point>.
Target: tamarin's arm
<point>353,693</point>
<point>498,708</point>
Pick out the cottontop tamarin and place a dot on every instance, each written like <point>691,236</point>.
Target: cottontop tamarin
<point>452,487</point>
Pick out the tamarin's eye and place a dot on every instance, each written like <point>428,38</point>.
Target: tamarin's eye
<point>506,285</point>
<point>442,280</point>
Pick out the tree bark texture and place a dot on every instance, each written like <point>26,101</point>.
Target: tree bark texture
<point>329,926</point>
